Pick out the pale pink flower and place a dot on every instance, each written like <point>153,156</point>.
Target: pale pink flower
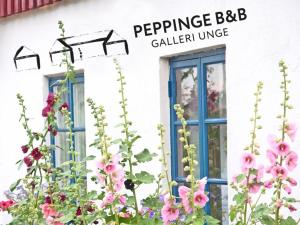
<point>279,171</point>
<point>259,173</point>
<point>122,200</point>
<point>292,181</point>
<point>48,210</point>
<point>184,195</point>
<point>101,179</point>
<point>287,189</point>
<point>282,148</point>
<point>100,164</point>
<point>272,156</point>
<point>200,199</point>
<point>202,183</point>
<point>291,130</point>
<point>108,199</point>
<point>272,140</point>
<point>279,203</point>
<point>291,160</point>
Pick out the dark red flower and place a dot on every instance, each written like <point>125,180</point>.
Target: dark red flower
<point>27,160</point>
<point>78,211</point>
<point>45,112</point>
<point>24,148</point>
<point>48,200</point>
<point>65,106</point>
<point>52,130</point>
<point>36,154</point>
<point>51,99</point>
<point>62,197</point>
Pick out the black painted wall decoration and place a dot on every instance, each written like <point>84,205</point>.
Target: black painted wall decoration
<point>26,59</point>
<point>78,47</point>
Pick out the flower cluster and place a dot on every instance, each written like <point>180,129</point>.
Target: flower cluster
<point>5,205</point>
<point>50,214</point>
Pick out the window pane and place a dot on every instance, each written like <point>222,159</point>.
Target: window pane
<point>187,91</point>
<point>218,203</point>
<point>60,119</point>
<point>80,145</point>
<point>61,149</point>
<point>78,101</point>
<point>216,90</point>
<point>217,151</point>
<point>193,139</point>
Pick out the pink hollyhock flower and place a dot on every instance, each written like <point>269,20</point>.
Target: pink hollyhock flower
<point>200,199</point>
<point>259,173</point>
<point>279,171</point>
<point>169,211</point>
<point>36,154</point>
<point>247,161</point>
<point>122,200</point>
<point>110,168</point>
<point>5,205</point>
<point>50,99</point>
<point>282,148</point>
<point>292,181</point>
<point>101,179</point>
<point>272,140</point>
<point>108,199</point>
<point>100,165</point>
<point>202,183</point>
<point>287,189</point>
<point>254,188</point>
<point>291,130</point>
<point>268,184</point>
<point>291,160</point>
<point>184,195</point>
<point>272,156</point>
<point>279,203</point>
<point>48,210</point>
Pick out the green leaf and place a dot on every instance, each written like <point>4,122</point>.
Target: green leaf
<point>240,198</point>
<point>89,158</point>
<point>145,177</point>
<point>67,218</point>
<point>14,185</point>
<point>240,177</point>
<point>211,220</point>
<point>267,220</point>
<point>144,156</point>
<point>288,221</point>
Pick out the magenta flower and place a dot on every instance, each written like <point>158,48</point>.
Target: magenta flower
<point>279,171</point>
<point>122,200</point>
<point>282,148</point>
<point>272,156</point>
<point>64,106</point>
<point>247,161</point>
<point>291,130</point>
<point>46,111</point>
<point>254,188</point>
<point>50,99</point>
<point>200,199</point>
<point>268,184</point>
<point>291,160</point>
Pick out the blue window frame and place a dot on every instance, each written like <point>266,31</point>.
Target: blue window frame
<point>198,83</point>
<point>75,99</point>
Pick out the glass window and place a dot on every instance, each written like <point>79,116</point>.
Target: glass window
<point>74,96</point>
<point>198,84</point>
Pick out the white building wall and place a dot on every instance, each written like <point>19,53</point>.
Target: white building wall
<point>253,49</point>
